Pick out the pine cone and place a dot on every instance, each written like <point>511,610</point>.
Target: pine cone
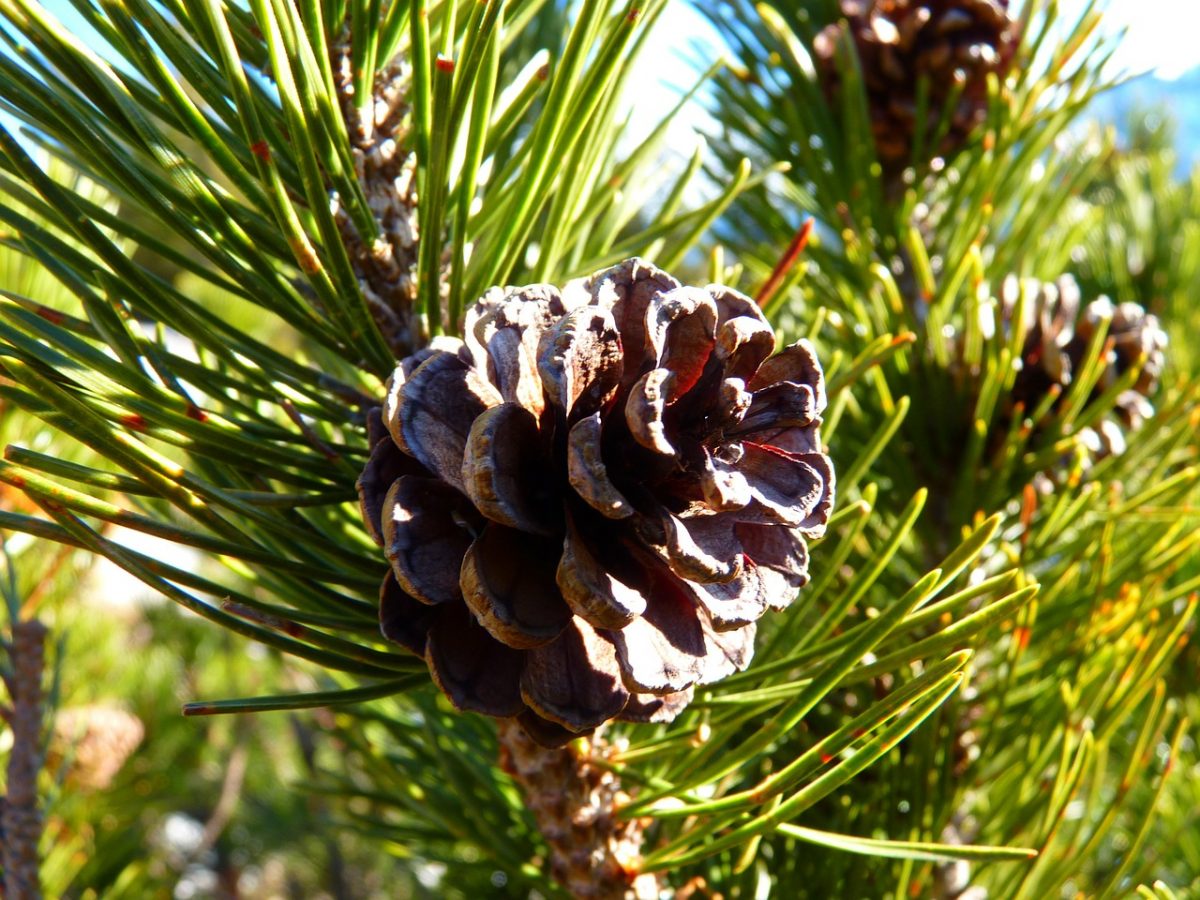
<point>95,742</point>
<point>1134,334</point>
<point>1057,334</point>
<point>588,503</point>
<point>1051,313</point>
<point>952,42</point>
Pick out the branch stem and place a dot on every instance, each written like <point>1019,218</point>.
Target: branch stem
<point>22,819</point>
<point>574,799</point>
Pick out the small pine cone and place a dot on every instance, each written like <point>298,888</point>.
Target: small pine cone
<point>1135,338</point>
<point>951,42</point>
<point>1051,313</point>
<point>95,742</point>
<point>588,503</point>
<point>1058,330</point>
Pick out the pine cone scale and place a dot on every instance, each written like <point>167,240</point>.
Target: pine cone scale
<point>576,681</point>
<point>784,489</point>
<point>403,619</point>
<point>588,475</point>
<point>681,328</point>
<point>723,487</point>
<point>726,652</point>
<point>743,344</point>
<point>778,549</point>
<point>474,670</point>
<point>502,464</point>
<point>384,467</point>
<point>580,361</point>
<point>646,408</point>
<point>437,406</point>
<point>423,539</point>
<point>513,364</point>
<point>785,404</point>
<point>735,604</point>
<point>508,581</point>
<point>663,650</point>
<point>629,289</point>
<point>589,587</point>
<point>702,549</point>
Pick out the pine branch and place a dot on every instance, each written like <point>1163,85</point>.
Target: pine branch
<point>20,812</point>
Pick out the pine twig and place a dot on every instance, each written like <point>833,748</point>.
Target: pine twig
<point>594,854</point>
<point>227,801</point>
<point>22,819</point>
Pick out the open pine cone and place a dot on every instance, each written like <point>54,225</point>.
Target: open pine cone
<point>951,42</point>
<point>1058,330</point>
<point>1050,314</point>
<point>1135,335</point>
<point>589,502</point>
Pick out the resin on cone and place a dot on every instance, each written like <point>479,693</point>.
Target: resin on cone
<point>589,501</point>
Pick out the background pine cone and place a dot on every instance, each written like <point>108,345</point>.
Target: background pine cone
<point>950,42</point>
<point>1051,313</point>
<point>1134,334</point>
<point>589,502</point>
<point>1057,333</point>
<point>94,742</point>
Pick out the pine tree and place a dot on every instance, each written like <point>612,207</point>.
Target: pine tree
<point>290,342</point>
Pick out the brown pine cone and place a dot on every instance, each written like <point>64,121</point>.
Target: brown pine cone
<point>95,742</point>
<point>951,42</point>
<point>1057,334</point>
<point>1134,334</point>
<point>1051,313</point>
<point>589,502</point>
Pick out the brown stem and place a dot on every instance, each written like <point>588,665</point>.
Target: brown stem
<point>227,801</point>
<point>22,819</point>
<point>594,854</point>
<point>387,266</point>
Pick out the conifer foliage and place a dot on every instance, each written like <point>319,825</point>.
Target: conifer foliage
<point>348,290</point>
